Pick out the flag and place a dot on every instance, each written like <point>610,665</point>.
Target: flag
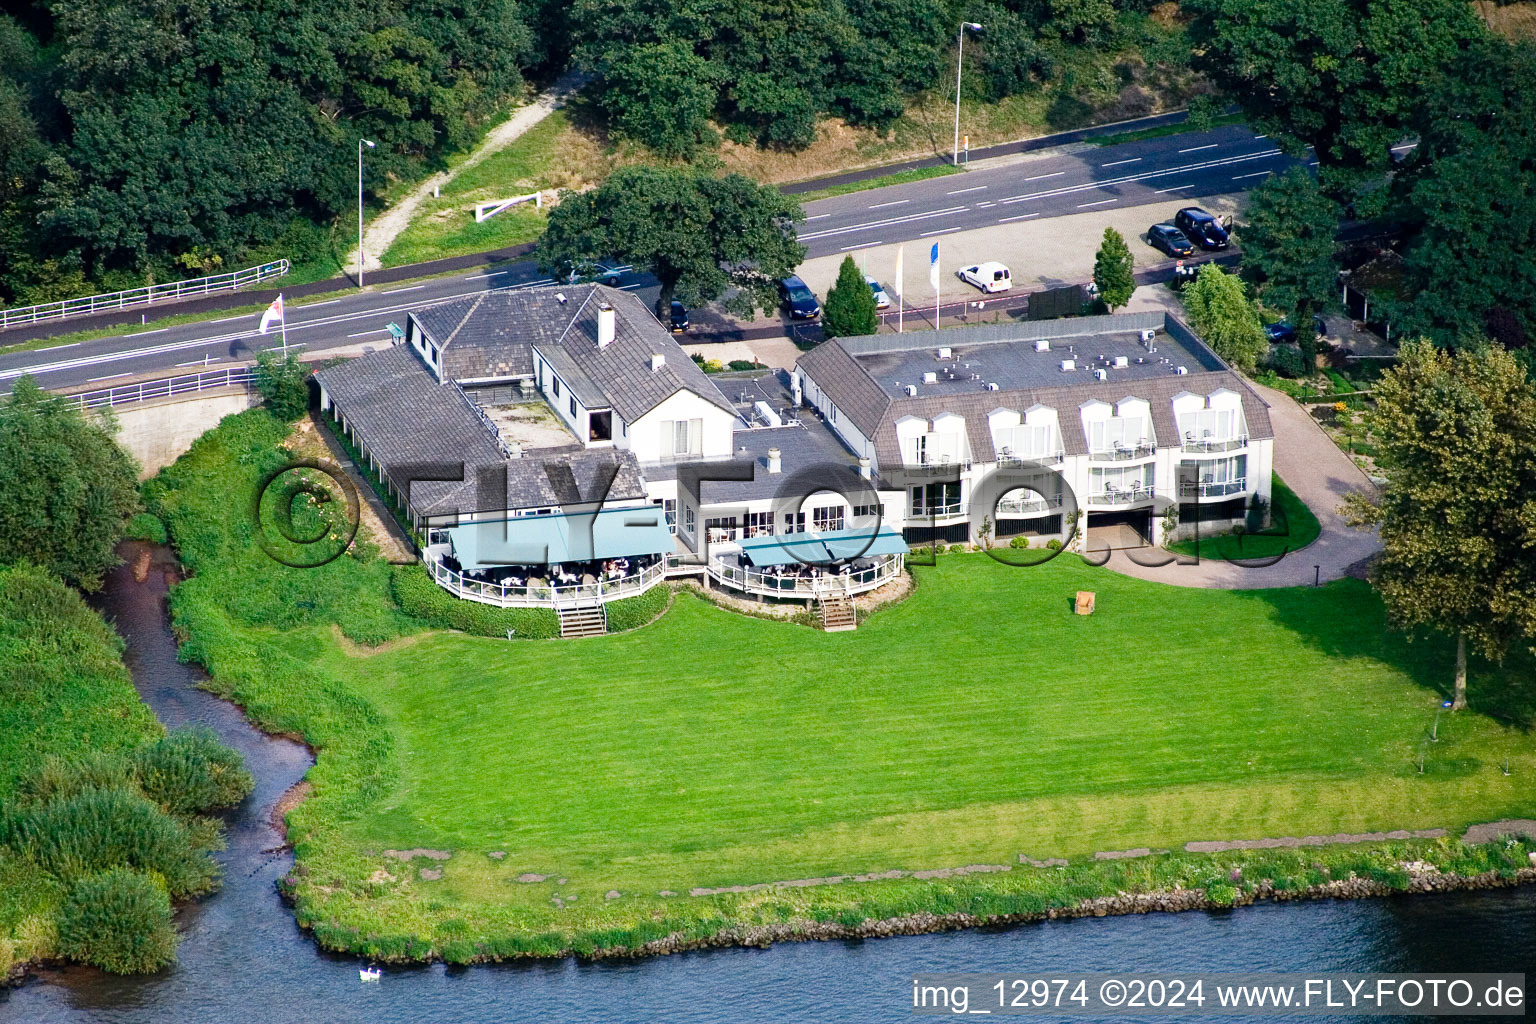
<point>933,266</point>
<point>273,315</point>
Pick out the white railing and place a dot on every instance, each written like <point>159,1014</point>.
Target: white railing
<point>948,511</point>
<point>1026,506</point>
<point>1212,444</point>
<point>165,387</point>
<point>148,295</point>
<point>1049,459</point>
<point>771,584</point>
<point>1212,488</point>
<point>1121,496</point>
<point>537,593</point>
<point>1140,450</point>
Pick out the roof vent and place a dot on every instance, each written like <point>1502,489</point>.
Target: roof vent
<point>911,390</point>
<point>1042,345</point>
<point>657,361</point>
<point>1101,375</point>
<point>1147,335</point>
<point>1068,365</point>
<point>1122,361</point>
<point>560,297</point>
<point>945,353</point>
<point>930,378</point>
<point>991,386</point>
<point>607,325</point>
<point>1181,369</point>
<point>1139,360</point>
<point>775,463</point>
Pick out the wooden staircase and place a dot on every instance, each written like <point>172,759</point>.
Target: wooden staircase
<point>583,620</point>
<point>837,614</point>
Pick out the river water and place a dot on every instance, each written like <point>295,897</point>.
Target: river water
<point>243,960</point>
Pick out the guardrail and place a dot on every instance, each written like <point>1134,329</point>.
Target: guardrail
<point>793,585</point>
<point>1120,453</point>
<point>1124,496</point>
<point>165,387</point>
<point>148,295</point>
<point>1213,489</point>
<point>541,593</point>
<point>1222,445</point>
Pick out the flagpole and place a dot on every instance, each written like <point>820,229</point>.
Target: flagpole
<point>901,290</point>
<point>938,258</point>
<point>284,321</point>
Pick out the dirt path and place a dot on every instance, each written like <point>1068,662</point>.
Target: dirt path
<point>381,232</point>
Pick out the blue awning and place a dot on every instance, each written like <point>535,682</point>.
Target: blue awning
<point>546,540</point>
<point>818,548</point>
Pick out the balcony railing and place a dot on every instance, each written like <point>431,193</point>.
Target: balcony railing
<point>1121,496</point>
<point>1123,452</point>
<point>1008,458</point>
<point>1214,444</point>
<point>539,593</point>
<point>1028,506</point>
<point>937,511</point>
<point>767,583</point>
<point>1212,488</point>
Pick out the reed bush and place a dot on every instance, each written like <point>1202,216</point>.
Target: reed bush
<point>119,920</point>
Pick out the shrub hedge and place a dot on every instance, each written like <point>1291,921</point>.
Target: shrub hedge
<point>189,772</point>
<point>119,920</point>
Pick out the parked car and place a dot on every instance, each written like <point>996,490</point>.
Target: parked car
<point>1282,332</point>
<point>989,277</point>
<point>799,298</point>
<point>608,272</point>
<point>1169,239</point>
<point>677,317</point>
<point>1201,227</point>
<point>882,300</point>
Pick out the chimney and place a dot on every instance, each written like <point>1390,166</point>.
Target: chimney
<point>607,325</point>
<point>864,467</point>
<point>658,361</point>
<point>774,463</point>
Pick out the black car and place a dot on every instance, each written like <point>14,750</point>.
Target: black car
<point>1169,239</point>
<point>799,298</point>
<point>1201,228</point>
<point>677,317</point>
<point>1282,332</point>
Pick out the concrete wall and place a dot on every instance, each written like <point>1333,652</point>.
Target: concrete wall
<point>157,432</point>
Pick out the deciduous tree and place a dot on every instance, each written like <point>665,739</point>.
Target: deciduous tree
<point>1114,270</point>
<point>1455,433</point>
<point>850,307</point>
<point>1225,318</point>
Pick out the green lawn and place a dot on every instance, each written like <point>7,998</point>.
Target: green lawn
<point>1292,527</point>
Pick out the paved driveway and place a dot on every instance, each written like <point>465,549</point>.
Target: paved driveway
<point>1321,475</point>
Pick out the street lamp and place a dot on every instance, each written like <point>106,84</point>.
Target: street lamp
<point>959,62</point>
<point>360,144</point>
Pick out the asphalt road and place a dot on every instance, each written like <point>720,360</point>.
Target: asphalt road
<point>1221,161</point>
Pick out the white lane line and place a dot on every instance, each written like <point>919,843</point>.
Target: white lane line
<point>55,348</point>
<point>874,224</point>
<point>1196,149</point>
<point>110,376</point>
<point>860,245</point>
<point>1117,163</point>
<point>227,319</point>
<point>397,291</point>
<point>485,277</point>
<point>313,305</point>
<point>984,204</point>
<point>1101,202</point>
<point>937,231</point>
<point>819,216</point>
<point>959,191</point>
<point>630,287</point>
<point>1175,188</point>
<point>201,362</point>
<point>1042,177</point>
<point>1022,216</point>
<point>1090,186</point>
<point>1255,174</point>
<point>364,334</point>
<point>893,202</point>
<point>140,334</point>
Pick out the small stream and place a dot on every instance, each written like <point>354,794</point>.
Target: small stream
<point>244,961</point>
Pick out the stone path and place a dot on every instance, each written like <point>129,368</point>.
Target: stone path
<point>381,232</point>
<point>1321,475</point>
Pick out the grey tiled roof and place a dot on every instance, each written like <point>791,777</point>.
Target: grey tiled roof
<point>845,369</point>
<point>409,422</point>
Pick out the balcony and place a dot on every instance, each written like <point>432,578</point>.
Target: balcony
<point>950,511</point>
<point>807,582</point>
<point>1007,457</point>
<point>1143,449</point>
<point>1115,497</point>
<point>1028,506</point>
<point>1212,488</point>
<point>1206,445</point>
<point>514,592</point>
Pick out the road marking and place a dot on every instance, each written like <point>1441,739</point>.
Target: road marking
<point>1175,188</point>
<point>1196,149</point>
<point>201,362</point>
<point>140,334</point>
<point>937,231</point>
<point>1101,202</point>
<point>973,188</point>
<point>1255,174</point>
<point>313,305</point>
<point>860,245</point>
<point>227,319</point>
<point>1042,177</point>
<point>55,348</point>
<point>984,204</point>
<point>1225,161</point>
<point>364,334</point>
<point>397,291</point>
<point>110,376</point>
<point>893,202</point>
<point>1117,163</point>
<point>870,225</point>
<point>1022,216</point>
<point>819,216</point>
<point>630,287</point>
<point>482,277</point>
